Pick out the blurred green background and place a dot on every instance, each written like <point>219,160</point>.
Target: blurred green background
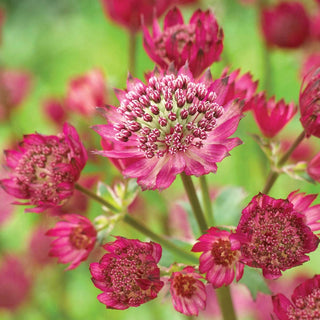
<point>57,40</point>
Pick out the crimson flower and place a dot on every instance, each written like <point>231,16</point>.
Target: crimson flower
<point>170,125</point>
<point>271,116</point>
<point>309,102</point>
<point>305,302</point>
<point>276,234</point>
<point>45,168</point>
<point>220,259</point>
<point>128,274</point>
<point>76,237</point>
<point>199,43</point>
<point>285,25</point>
<point>187,291</point>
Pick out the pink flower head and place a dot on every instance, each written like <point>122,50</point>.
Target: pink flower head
<point>76,237</point>
<point>45,168</point>
<point>188,291</point>
<point>305,302</point>
<point>86,93</point>
<point>128,274</point>
<point>55,110</point>
<point>172,124</point>
<point>271,116</point>
<point>199,43</point>
<point>309,102</point>
<point>129,13</point>
<point>14,86</point>
<point>311,63</point>
<point>220,259</point>
<point>276,234</point>
<point>285,25</point>
<point>15,284</point>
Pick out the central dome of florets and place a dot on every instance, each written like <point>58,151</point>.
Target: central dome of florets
<point>168,115</point>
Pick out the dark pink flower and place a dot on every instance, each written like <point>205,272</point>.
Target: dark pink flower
<point>76,237</point>
<point>128,274</point>
<point>55,110</point>
<point>188,291</point>
<point>15,284</point>
<point>271,116</point>
<point>305,302</point>
<point>199,43</point>
<point>86,93</point>
<point>285,25</point>
<point>220,259</point>
<point>14,86</point>
<point>129,13</point>
<point>276,234</point>
<point>309,103</point>
<point>172,124</point>
<point>45,168</point>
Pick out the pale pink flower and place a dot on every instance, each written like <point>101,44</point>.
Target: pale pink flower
<point>128,274</point>
<point>45,168</point>
<point>172,124</point>
<point>220,260</point>
<point>76,237</point>
<point>199,43</point>
<point>188,291</point>
<point>276,234</point>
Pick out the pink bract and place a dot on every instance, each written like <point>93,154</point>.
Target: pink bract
<point>129,13</point>
<point>305,302</point>
<point>187,291</point>
<point>128,274</point>
<point>309,103</point>
<point>285,25</point>
<point>220,260</point>
<point>86,93</point>
<point>271,116</point>
<point>76,237</point>
<point>269,227</point>
<point>172,124</point>
<point>44,169</point>
<point>199,43</point>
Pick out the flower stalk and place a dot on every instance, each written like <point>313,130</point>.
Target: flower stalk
<point>206,200</point>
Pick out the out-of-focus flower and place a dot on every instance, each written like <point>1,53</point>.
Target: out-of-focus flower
<point>76,237</point>
<point>315,26</point>
<point>14,86</point>
<point>6,202</point>
<point>129,13</point>
<point>172,124</point>
<point>199,43</point>
<point>305,302</point>
<point>187,291</point>
<point>313,168</point>
<point>128,274</point>
<point>39,247</point>
<point>303,152</point>
<point>15,284</point>
<point>310,64</point>
<point>285,25</point>
<point>55,110</point>
<point>309,103</point>
<point>276,234</point>
<point>271,116</point>
<point>86,93</point>
<point>220,259</point>
<point>45,168</point>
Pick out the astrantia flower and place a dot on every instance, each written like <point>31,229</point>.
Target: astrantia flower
<point>128,274</point>
<point>172,124</point>
<point>86,93</point>
<point>45,168</point>
<point>187,291</point>
<point>313,168</point>
<point>55,110</point>
<point>276,234</point>
<point>76,237</point>
<point>309,102</point>
<point>305,302</point>
<point>220,259</point>
<point>286,25</point>
<point>271,116</point>
<point>199,42</point>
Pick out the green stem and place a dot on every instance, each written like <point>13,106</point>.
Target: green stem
<point>273,175</point>
<point>194,201</point>
<point>132,52</point>
<point>206,199</point>
<point>225,303</point>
